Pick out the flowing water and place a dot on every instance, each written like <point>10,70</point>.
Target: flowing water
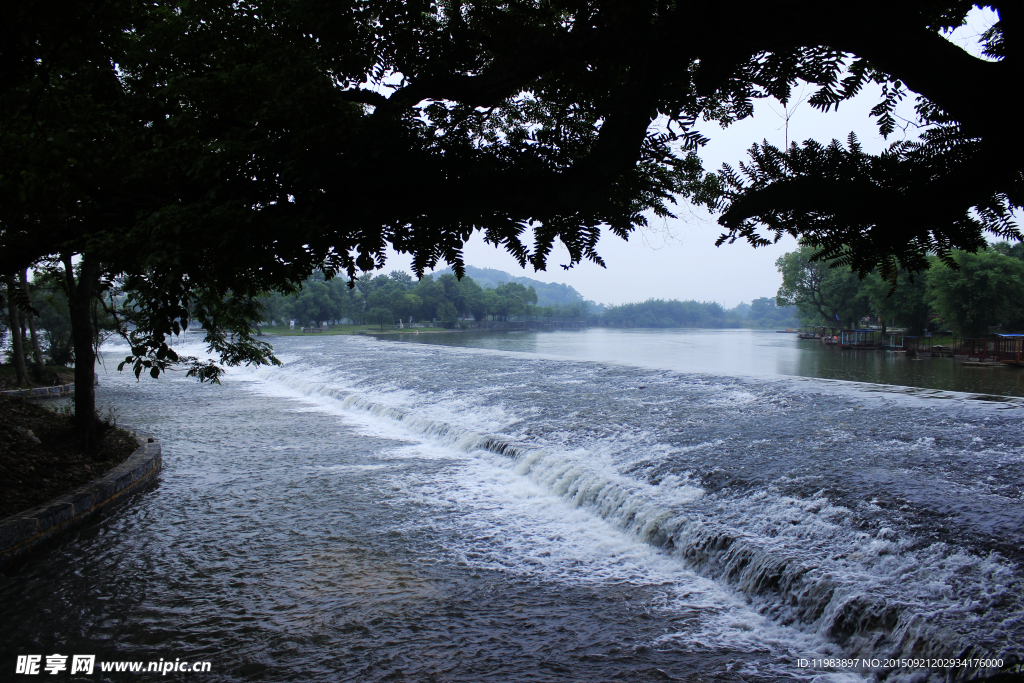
<point>591,506</point>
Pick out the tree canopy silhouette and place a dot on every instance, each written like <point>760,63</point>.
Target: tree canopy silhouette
<point>206,151</point>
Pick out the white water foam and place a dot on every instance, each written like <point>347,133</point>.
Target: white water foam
<point>799,560</point>
<point>566,517</point>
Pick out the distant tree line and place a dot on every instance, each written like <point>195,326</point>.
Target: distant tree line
<point>38,309</point>
<point>984,292</point>
<point>761,313</point>
<point>548,293</point>
<point>386,299</point>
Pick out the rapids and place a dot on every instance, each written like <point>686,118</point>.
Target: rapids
<point>378,510</point>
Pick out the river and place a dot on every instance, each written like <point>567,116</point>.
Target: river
<point>579,506</point>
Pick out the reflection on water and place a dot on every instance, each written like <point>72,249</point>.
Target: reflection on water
<point>756,353</point>
<point>886,367</point>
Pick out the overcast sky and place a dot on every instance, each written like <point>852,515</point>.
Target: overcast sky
<point>677,259</point>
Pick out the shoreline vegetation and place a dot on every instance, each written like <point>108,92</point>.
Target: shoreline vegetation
<point>496,297</point>
<point>984,295</point>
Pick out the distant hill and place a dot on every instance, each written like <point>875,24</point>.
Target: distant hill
<point>548,294</point>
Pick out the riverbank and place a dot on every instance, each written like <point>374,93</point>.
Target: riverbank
<point>40,458</point>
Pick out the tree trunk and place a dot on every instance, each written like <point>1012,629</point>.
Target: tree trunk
<point>17,350</point>
<point>79,303</point>
<point>40,368</point>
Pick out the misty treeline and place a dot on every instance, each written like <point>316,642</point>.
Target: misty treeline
<point>385,299</point>
<point>760,313</point>
<point>982,294</point>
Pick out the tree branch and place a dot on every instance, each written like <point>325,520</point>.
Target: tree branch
<point>969,89</point>
<point>374,99</point>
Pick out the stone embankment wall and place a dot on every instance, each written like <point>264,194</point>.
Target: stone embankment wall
<point>22,533</point>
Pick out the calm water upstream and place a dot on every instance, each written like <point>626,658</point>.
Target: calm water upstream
<point>589,506</point>
<point>753,353</point>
